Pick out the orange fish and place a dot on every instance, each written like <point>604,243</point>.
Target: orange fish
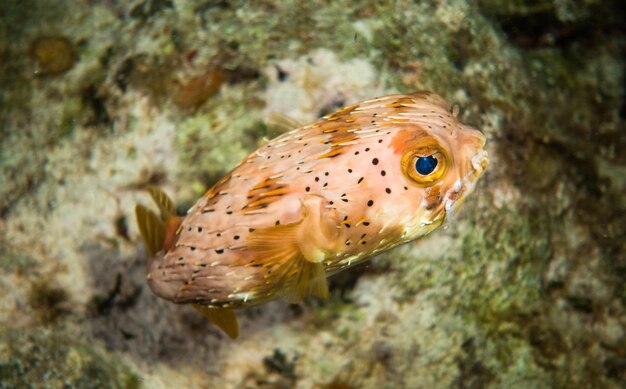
<point>313,202</point>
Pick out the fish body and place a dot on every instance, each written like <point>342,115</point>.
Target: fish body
<point>319,199</point>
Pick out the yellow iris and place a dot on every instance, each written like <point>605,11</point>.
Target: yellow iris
<point>410,159</point>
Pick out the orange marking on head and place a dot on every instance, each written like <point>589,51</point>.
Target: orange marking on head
<point>402,102</point>
<point>215,189</point>
<point>347,109</point>
<point>330,154</point>
<point>407,138</point>
<point>276,192</point>
<point>340,139</point>
<point>264,193</point>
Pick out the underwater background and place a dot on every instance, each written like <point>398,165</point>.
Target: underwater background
<point>99,99</point>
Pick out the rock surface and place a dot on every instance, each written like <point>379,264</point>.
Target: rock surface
<point>527,288</point>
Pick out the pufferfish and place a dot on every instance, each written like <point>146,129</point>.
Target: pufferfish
<point>313,202</point>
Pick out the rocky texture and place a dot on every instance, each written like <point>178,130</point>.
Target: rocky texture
<point>524,289</point>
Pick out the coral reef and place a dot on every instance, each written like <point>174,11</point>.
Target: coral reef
<point>526,288</point>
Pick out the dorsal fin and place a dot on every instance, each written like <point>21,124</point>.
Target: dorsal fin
<point>282,122</point>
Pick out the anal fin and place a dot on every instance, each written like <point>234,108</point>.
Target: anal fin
<point>224,318</point>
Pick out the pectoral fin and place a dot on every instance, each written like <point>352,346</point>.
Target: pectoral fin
<point>277,248</point>
<point>295,253</point>
<point>310,280</point>
<point>224,318</point>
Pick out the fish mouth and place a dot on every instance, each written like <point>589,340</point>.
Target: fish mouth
<point>465,186</point>
<point>479,163</point>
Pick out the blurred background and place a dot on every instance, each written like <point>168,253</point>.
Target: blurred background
<point>99,99</point>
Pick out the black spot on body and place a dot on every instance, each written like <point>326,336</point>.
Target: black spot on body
<point>360,180</point>
<point>219,251</point>
<point>375,161</point>
<point>236,237</point>
<point>383,173</point>
<point>370,203</point>
<point>387,190</point>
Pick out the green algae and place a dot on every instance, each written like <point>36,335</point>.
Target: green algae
<point>521,290</point>
<point>44,358</point>
<point>217,139</point>
<point>12,261</point>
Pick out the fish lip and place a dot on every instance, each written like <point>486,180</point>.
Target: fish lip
<point>480,161</point>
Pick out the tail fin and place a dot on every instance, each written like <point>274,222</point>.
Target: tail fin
<point>158,232</point>
<point>165,204</point>
<point>152,229</point>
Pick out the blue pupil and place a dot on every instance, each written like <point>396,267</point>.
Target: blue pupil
<point>426,165</point>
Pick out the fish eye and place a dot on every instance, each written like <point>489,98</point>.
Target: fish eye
<point>425,165</point>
